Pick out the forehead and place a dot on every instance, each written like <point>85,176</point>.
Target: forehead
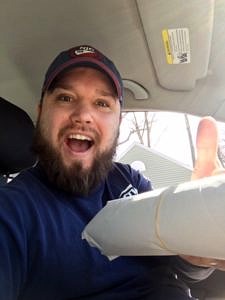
<point>87,74</point>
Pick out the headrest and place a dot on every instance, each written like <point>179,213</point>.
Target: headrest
<point>16,132</point>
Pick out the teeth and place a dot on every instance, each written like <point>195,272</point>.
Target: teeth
<point>79,137</point>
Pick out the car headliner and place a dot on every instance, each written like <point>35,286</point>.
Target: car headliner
<point>128,31</point>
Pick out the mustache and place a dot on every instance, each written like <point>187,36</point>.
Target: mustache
<point>81,128</point>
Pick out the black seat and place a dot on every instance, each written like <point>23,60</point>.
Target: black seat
<point>16,132</point>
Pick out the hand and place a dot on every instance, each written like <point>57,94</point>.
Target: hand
<point>205,262</point>
<point>207,140</point>
<point>206,164</point>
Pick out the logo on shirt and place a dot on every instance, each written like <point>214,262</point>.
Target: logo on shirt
<point>129,191</point>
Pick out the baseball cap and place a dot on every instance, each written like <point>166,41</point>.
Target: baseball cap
<point>80,56</point>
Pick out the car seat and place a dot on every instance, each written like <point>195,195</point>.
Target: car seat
<point>16,132</point>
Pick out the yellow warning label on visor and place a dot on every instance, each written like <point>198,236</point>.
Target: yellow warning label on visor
<point>167,46</point>
<point>177,45</point>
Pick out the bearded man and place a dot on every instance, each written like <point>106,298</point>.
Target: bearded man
<point>44,210</point>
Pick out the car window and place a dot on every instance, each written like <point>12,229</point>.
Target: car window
<point>161,145</point>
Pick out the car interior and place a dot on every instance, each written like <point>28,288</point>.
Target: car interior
<point>16,131</point>
<point>170,55</point>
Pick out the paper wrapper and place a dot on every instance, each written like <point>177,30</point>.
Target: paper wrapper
<point>186,219</point>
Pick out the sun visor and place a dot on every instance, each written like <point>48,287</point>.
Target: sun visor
<point>179,36</point>
<point>16,131</point>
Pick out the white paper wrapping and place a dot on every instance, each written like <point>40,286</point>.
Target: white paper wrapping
<point>186,219</point>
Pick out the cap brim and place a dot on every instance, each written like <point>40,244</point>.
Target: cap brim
<point>88,62</point>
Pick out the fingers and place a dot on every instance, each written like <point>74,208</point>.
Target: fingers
<point>205,262</point>
<point>207,137</point>
<point>199,261</point>
<point>206,149</point>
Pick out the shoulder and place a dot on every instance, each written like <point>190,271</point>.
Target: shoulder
<point>22,190</point>
<point>127,181</point>
<point>31,178</point>
<point>130,173</point>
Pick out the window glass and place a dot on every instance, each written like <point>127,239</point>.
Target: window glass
<point>161,145</point>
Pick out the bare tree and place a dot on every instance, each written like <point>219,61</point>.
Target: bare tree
<point>221,148</point>
<point>191,144</point>
<point>141,126</point>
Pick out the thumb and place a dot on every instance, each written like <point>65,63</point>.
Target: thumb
<point>207,139</point>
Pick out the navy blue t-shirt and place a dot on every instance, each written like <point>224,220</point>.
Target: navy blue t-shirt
<point>42,255</point>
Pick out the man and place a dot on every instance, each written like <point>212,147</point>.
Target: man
<point>44,209</point>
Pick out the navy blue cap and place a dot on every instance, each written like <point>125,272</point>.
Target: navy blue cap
<point>88,56</point>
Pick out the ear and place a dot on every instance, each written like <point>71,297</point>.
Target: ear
<point>39,109</point>
<point>121,117</point>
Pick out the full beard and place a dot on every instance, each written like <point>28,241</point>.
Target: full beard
<point>73,179</point>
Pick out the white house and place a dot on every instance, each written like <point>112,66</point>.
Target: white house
<point>159,168</point>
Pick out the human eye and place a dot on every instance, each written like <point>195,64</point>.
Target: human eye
<point>103,104</point>
<point>64,98</point>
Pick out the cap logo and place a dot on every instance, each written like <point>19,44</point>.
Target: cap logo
<point>84,50</point>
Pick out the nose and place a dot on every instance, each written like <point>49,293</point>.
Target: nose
<point>82,113</point>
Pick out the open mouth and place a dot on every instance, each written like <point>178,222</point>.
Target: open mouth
<point>79,143</point>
